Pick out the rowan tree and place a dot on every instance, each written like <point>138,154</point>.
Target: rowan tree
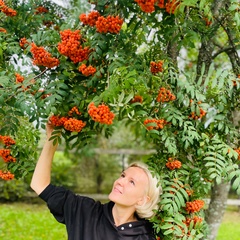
<point>170,69</point>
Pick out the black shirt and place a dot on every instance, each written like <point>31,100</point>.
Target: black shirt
<point>87,219</point>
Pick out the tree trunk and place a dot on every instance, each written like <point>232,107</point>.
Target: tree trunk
<point>216,209</point>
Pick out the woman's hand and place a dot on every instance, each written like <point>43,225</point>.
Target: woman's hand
<point>49,129</point>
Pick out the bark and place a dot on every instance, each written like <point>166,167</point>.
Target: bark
<point>216,209</point>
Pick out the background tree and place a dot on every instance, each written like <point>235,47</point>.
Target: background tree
<point>119,62</point>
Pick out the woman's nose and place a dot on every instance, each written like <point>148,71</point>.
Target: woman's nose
<point>120,181</point>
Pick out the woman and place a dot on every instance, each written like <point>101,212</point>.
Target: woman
<point>133,199</point>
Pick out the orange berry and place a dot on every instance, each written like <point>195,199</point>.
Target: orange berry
<point>101,114</point>
<point>6,175</point>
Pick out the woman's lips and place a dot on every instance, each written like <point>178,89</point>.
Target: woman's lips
<point>117,190</point>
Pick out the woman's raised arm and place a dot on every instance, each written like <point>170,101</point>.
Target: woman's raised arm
<point>42,173</point>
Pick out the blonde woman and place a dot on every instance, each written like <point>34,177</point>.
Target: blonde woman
<point>133,199</point>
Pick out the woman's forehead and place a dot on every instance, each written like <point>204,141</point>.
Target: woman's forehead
<point>136,173</point>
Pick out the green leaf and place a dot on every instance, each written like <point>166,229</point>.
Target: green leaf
<point>168,231</point>
<point>166,226</point>
<point>236,183</point>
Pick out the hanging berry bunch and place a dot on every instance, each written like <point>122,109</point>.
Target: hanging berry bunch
<point>137,98</point>
<point>74,125</point>
<point>165,95</point>
<point>110,24</point>
<point>5,154</point>
<point>70,46</point>
<point>194,116</point>
<point>23,43</point>
<point>155,123</point>
<point>3,30</point>
<point>19,78</point>
<point>69,123</point>
<point>238,151</point>
<point>41,57</point>
<point>6,175</point>
<point>194,206</point>
<point>173,164</point>
<point>196,220</point>
<point>156,67</point>
<point>171,6</point>
<point>148,6</point>
<point>6,10</point>
<point>237,81</point>
<point>101,114</point>
<point>90,19</point>
<point>41,9</point>
<point>87,70</point>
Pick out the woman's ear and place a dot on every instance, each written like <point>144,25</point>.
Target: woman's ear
<point>143,200</point>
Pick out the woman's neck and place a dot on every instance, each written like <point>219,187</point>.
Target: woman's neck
<point>123,215</point>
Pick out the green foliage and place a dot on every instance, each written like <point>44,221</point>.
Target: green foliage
<point>13,190</point>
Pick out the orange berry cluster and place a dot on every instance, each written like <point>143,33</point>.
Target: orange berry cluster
<point>3,30</point>
<point>110,24</point>
<point>173,164</point>
<point>235,81</point>
<point>6,10</point>
<point>57,121</point>
<point>87,70</point>
<point>238,151</point>
<point>101,114</point>
<point>90,19</point>
<point>161,3</point>
<point>6,155</point>
<point>148,6</point>
<point>196,117</point>
<point>74,125</point>
<point>74,110</point>
<point>137,98</point>
<point>7,141</point>
<point>41,57</point>
<point>19,78</point>
<point>158,123</point>
<point>6,175</point>
<point>207,21</point>
<point>70,46</point>
<point>156,67</point>
<point>70,124</point>
<point>189,192</point>
<point>41,9</point>
<point>23,43</point>
<point>171,6</point>
<point>195,219</point>
<point>194,206</point>
<point>165,95</point>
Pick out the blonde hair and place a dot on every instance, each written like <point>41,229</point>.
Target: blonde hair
<point>154,190</point>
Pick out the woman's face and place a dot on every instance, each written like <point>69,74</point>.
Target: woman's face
<point>130,188</point>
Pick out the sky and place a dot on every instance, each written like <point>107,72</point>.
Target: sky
<point>60,2</point>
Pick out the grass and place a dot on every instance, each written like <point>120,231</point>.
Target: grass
<point>20,221</point>
<point>29,222</point>
<point>230,227</point>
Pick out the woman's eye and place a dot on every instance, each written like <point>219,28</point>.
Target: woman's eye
<point>132,182</point>
<point>122,175</point>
